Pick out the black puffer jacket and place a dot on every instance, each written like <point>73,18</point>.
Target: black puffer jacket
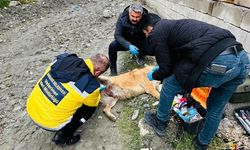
<point>181,45</point>
<point>127,33</point>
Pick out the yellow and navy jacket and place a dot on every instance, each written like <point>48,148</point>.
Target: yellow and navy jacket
<point>52,104</point>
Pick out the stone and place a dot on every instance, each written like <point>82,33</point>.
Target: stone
<point>107,13</point>
<point>135,114</point>
<point>230,130</point>
<point>146,106</point>
<point>143,129</point>
<point>146,148</point>
<point>155,103</point>
<point>14,3</point>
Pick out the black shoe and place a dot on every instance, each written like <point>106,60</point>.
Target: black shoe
<point>113,72</point>
<point>198,145</point>
<point>158,126</point>
<point>60,138</point>
<point>73,139</point>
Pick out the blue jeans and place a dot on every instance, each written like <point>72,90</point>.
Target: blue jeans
<point>223,86</point>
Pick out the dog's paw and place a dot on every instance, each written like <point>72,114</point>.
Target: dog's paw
<point>112,118</point>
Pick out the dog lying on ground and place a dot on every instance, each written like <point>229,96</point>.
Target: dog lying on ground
<point>127,85</point>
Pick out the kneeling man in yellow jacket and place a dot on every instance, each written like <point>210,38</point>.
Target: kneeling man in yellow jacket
<point>67,95</point>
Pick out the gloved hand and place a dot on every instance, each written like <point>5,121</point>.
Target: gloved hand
<point>102,88</point>
<point>150,73</point>
<point>133,50</point>
<point>155,68</point>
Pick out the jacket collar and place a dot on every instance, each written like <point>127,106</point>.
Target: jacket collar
<point>90,65</point>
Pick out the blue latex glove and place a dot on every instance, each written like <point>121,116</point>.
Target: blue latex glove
<point>150,73</point>
<point>155,68</point>
<point>133,50</point>
<point>102,88</point>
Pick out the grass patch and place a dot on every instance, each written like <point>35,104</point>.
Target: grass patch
<point>184,143</point>
<point>129,128</point>
<point>182,140</point>
<point>125,124</point>
<point>4,3</point>
<point>130,62</point>
<point>26,1</point>
<point>217,144</point>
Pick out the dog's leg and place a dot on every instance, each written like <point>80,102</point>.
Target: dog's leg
<point>154,93</point>
<point>110,102</point>
<point>151,89</point>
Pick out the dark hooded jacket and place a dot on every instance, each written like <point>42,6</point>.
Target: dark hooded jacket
<point>185,47</point>
<point>68,67</point>
<point>127,33</point>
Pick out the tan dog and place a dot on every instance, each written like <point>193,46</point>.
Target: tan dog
<point>127,85</point>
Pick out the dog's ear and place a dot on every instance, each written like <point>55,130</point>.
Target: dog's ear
<point>104,79</point>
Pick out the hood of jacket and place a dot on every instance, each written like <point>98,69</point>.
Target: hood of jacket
<point>68,67</point>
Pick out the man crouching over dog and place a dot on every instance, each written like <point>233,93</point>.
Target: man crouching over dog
<point>190,54</point>
<point>67,95</point>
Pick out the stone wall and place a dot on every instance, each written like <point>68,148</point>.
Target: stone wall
<point>229,16</point>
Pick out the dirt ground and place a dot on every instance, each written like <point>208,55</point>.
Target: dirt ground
<point>30,37</point>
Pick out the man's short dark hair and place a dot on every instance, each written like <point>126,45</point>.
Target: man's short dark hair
<point>152,19</point>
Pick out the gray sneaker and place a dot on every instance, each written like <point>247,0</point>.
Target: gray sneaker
<point>158,126</point>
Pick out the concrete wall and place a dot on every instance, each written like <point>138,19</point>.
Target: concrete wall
<point>229,16</point>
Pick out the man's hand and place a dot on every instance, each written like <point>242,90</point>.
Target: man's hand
<point>150,73</point>
<point>155,68</point>
<point>133,50</point>
<point>102,88</point>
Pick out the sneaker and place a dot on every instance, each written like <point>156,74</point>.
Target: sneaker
<point>198,145</point>
<point>158,126</point>
<point>113,72</point>
<point>60,138</point>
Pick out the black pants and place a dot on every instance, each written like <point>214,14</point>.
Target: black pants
<point>115,46</point>
<point>82,112</point>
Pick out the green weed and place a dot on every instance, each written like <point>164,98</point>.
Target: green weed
<point>184,142</point>
<point>4,3</point>
<point>26,1</point>
<point>129,128</point>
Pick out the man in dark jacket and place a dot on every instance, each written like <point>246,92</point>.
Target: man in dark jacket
<point>190,54</point>
<point>129,35</point>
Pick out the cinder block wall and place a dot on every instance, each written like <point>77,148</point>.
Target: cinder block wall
<point>229,16</point>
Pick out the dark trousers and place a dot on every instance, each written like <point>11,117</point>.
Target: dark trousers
<point>82,112</point>
<point>115,46</point>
